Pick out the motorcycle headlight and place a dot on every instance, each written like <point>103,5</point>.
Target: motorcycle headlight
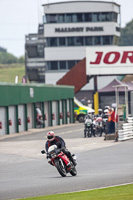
<point>53,155</point>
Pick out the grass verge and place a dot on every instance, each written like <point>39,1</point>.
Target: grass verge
<point>124,192</point>
<point>9,72</point>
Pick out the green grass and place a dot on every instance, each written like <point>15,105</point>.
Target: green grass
<point>9,72</point>
<point>112,193</point>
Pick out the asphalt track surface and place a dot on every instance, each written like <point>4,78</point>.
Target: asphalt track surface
<point>24,171</point>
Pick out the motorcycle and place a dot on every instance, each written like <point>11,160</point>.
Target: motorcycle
<point>88,127</point>
<point>61,161</point>
<point>97,126</point>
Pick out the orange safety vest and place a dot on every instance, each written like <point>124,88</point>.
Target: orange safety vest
<point>109,116</point>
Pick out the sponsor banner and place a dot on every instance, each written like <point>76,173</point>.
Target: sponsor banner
<point>110,60</point>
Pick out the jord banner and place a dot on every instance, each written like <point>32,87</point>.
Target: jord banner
<point>110,60</point>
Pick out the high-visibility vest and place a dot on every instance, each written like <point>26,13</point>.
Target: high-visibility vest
<point>109,116</point>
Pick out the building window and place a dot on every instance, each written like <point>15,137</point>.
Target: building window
<point>78,17</point>
<point>114,17</point>
<point>96,17</point>
<point>40,51</point>
<point>88,17</point>
<point>97,40</point>
<point>62,41</point>
<point>81,17</point>
<point>89,40</point>
<point>106,40</point>
<point>76,41</point>
<point>70,41</point>
<point>68,18</point>
<point>106,17</point>
<point>61,18</point>
<point>79,41</point>
<point>52,42</point>
<point>54,65</point>
<point>52,18</point>
<point>71,64</point>
<point>62,65</point>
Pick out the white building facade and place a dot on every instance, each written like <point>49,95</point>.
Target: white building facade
<point>70,27</point>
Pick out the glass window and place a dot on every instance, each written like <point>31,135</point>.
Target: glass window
<point>79,41</point>
<point>40,50</point>
<point>61,18</point>
<point>88,17</point>
<point>71,64</point>
<point>79,17</point>
<point>51,18</point>
<point>96,17</point>
<point>75,105</point>
<point>68,17</point>
<point>114,16</point>
<point>106,16</point>
<point>97,40</point>
<point>32,51</point>
<point>54,65</point>
<point>106,40</point>
<point>44,19</point>
<point>88,40</point>
<point>62,41</point>
<point>52,42</point>
<point>48,65</point>
<point>70,41</point>
<point>62,65</point>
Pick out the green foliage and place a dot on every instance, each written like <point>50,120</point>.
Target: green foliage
<point>126,38</point>
<point>2,49</point>
<point>7,58</point>
<point>21,59</point>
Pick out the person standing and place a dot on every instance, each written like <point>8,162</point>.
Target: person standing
<point>109,120</point>
<point>113,121</point>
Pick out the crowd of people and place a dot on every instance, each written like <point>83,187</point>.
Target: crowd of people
<point>103,122</point>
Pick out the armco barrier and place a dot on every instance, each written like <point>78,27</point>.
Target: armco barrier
<point>126,132</point>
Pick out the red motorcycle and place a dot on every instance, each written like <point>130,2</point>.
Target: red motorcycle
<point>61,161</point>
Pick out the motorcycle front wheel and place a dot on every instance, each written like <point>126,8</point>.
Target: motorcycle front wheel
<point>60,167</point>
<point>73,172</point>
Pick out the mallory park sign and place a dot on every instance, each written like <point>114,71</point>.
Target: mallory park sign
<point>79,29</point>
<point>110,60</point>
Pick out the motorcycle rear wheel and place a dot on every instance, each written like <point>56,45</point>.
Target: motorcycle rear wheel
<point>61,168</point>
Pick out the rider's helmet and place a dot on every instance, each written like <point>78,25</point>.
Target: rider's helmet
<point>50,136</point>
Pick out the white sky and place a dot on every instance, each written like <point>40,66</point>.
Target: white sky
<point>19,18</point>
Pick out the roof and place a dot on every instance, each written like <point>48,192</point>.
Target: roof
<point>75,1</point>
<point>110,87</point>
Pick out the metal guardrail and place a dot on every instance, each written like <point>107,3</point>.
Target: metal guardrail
<point>126,132</point>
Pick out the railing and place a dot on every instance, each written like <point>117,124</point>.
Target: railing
<point>126,132</point>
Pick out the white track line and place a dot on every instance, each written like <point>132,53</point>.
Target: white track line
<point>99,188</point>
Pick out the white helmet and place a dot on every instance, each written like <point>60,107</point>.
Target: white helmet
<point>50,136</point>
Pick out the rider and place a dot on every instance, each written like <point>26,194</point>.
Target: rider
<point>56,140</point>
<point>88,122</point>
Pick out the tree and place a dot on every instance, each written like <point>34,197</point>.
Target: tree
<point>126,38</point>
<point>21,59</point>
<point>7,58</point>
<point>2,49</point>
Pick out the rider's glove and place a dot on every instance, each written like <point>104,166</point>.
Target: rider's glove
<point>42,151</point>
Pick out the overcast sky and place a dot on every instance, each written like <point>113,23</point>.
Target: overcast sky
<point>19,18</point>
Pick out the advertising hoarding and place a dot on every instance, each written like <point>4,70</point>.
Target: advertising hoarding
<point>109,60</point>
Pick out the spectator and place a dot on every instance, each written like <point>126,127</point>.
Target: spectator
<point>113,121</point>
<point>109,120</point>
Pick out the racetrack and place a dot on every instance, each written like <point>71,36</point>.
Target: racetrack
<point>24,172</point>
